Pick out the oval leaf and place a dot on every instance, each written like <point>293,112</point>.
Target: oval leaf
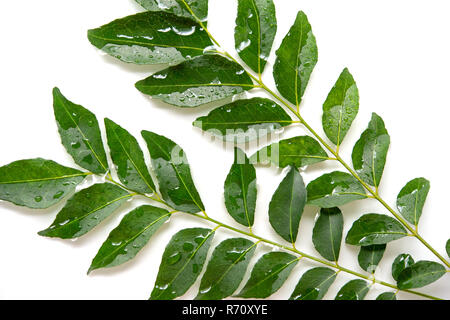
<point>151,38</point>
<point>173,173</point>
<point>370,151</point>
<point>37,183</point>
<point>400,263</point>
<point>129,159</point>
<point>314,284</point>
<point>340,108</point>
<point>196,82</point>
<point>268,275</point>
<point>411,199</point>
<point>244,120</point>
<point>80,134</point>
<point>297,152</point>
<point>327,233</point>
<point>370,256</point>
<point>296,59</point>
<point>420,274</point>
<point>373,229</point>
<point>353,290</point>
<point>287,205</point>
<point>85,210</point>
<point>240,190</point>
<point>182,262</point>
<point>226,269</point>
<point>130,236</point>
<point>387,296</point>
<point>181,8</point>
<point>256,26</point>
<point>334,189</point>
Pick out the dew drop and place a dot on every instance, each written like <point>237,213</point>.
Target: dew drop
<point>174,258</point>
<point>38,198</point>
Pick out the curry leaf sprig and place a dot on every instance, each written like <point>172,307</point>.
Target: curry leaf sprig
<point>174,32</point>
<point>295,61</point>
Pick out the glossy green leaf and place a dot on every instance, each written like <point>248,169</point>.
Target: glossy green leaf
<point>334,189</point>
<point>173,173</point>
<point>327,233</point>
<point>226,269</point>
<point>340,108</point>
<point>296,59</point>
<point>370,256</point>
<point>180,8</point>
<point>241,190</point>
<point>196,82</point>
<point>298,152</point>
<point>244,120</point>
<point>151,38</point>
<point>130,236</point>
<point>182,262</point>
<point>420,274</point>
<point>287,205</point>
<point>411,199</point>
<point>268,275</point>
<point>373,229</point>
<point>256,26</point>
<point>128,158</point>
<point>387,296</point>
<point>37,183</point>
<point>314,284</point>
<point>353,290</point>
<point>400,263</point>
<point>85,210</point>
<point>370,151</point>
<point>80,134</point>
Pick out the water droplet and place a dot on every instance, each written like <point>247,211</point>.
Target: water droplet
<point>38,198</point>
<point>58,195</point>
<point>174,258</point>
<point>188,247</point>
<point>75,145</point>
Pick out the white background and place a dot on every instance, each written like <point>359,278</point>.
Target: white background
<point>398,52</point>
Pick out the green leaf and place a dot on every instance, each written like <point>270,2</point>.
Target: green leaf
<point>334,189</point>
<point>196,82</point>
<point>314,284</point>
<point>375,228</point>
<point>151,38</point>
<point>370,256</point>
<point>181,8</point>
<point>256,26</point>
<point>226,269</point>
<point>400,263</point>
<point>182,262</point>
<point>173,173</point>
<point>296,59</point>
<point>420,274</point>
<point>370,151</point>
<point>268,275</point>
<point>80,134</point>
<point>298,152</point>
<point>244,120</point>
<point>241,190</point>
<point>353,290</point>
<point>411,199</point>
<point>130,236</point>
<point>287,205</point>
<point>85,210</point>
<point>327,233</point>
<point>387,296</point>
<point>340,108</point>
<point>129,159</point>
<point>37,183</point>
